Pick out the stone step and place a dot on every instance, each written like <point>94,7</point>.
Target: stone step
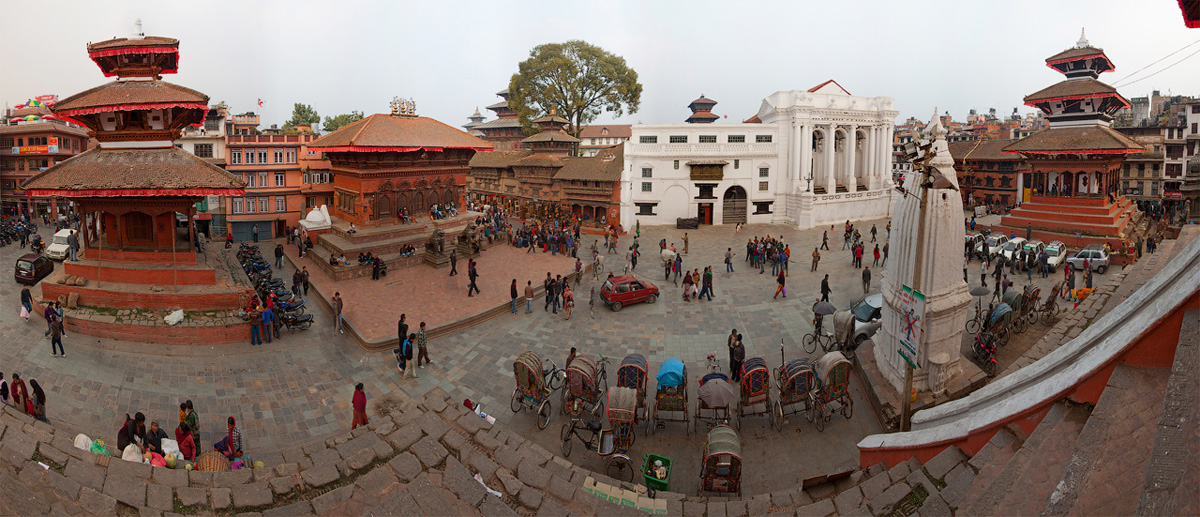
<point>1033,486</point>
<point>1114,448</point>
<point>1172,477</point>
<point>996,479</point>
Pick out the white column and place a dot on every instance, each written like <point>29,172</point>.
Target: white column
<point>872,157</point>
<point>830,165</point>
<point>806,144</point>
<point>885,153</point>
<point>851,158</point>
<point>795,154</point>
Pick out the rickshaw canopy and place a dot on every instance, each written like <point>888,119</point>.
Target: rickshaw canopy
<point>670,374</point>
<point>528,371</point>
<point>722,439</point>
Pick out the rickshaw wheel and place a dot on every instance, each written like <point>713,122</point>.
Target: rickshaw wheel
<point>556,379</point>
<point>1004,338</point>
<point>777,416</point>
<point>620,468</point>
<point>737,421</point>
<point>818,417</point>
<point>1033,317</point>
<point>1018,325</point>
<point>564,398</point>
<point>848,408</point>
<point>516,401</point>
<point>544,414</point>
<point>565,436</point>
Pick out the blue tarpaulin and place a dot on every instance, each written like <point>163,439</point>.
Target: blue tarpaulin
<point>670,374</point>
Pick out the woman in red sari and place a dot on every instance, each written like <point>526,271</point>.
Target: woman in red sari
<point>360,406</point>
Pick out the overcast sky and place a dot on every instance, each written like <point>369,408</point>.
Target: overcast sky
<point>452,56</point>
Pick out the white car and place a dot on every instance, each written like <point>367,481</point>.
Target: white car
<point>993,244</point>
<point>1012,248</point>
<point>1056,253</point>
<point>58,248</point>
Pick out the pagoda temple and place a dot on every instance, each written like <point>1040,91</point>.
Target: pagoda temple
<point>702,111</point>
<point>133,190</point>
<point>390,171</point>
<point>1076,163</point>
<point>504,133</point>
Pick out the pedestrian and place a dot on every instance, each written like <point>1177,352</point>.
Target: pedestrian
<point>548,285</point>
<point>359,401</point>
<point>866,276</point>
<point>254,232</point>
<point>19,393</point>
<point>592,302</point>
<point>858,253</point>
<point>408,356</point>
<point>297,283</point>
<point>453,262</point>
<point>231,444</point>
<point>780,288</point>
<point>39,400</point>
<point>73,245</point>
<point>26,302</point>
<point>472,275</point>
<point>675,267</point>
<point>186,440</point>
<point>528,296</point>
<point>825,288</point>
<point>873,231</point>
<point>513,291</point>
<point>983,272</point>
<point>56,335</point>
<point>49,313</point>
<point>268,322</point>
<point>279,255</point>
<point>736,356</point>
<point>299,244</point>
<point>685,243</point>
<point>731,342</point>
<point>3,390</point>
<point>706,284</point>
<point>1005,286</point>
<point>825,240</point>
<point>304,278</point>
<point>337,309</point>
<point>568,300</point>
<point>579,269</point>
<point>193,421</point>
<point>422,344</point>
<point>876,262</point>
<point>402,327</point>
<point>728,260</point>
<point>375,268</point>
<point>885,250</point>
<point>1028,231</point>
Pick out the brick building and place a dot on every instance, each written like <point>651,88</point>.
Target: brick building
<point>32,140</point>
<point>278,189</point>
<point>986,175</point>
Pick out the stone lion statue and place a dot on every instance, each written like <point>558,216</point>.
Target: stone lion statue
<point>437,242</point>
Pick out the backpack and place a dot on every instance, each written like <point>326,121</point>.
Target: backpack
<point>407,349</point>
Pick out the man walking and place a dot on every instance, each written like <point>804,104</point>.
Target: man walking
<point>816,256</point>
<point>453,262</point>
<point>279,255</point>
<point>780,287</point>
<point>472,274</point>
<point>337,309</point>
<point>685,243</point>
<point>422,341</point>
<point>254,232</point>
<point>885,252</point>
<point>359,401</point>
<point>528,296</point>
<point>268,323</point>
<point>297,280</point>
<point>873,232</point>
<point>548,284</point>
<point>728,260</point>
<point>825,288</point>
<point>707,284</point>
<point>402,329</point>
<point>866,280</point>
<point>56,335</point>
<point>825,240</point>
<point>304,277</point>
<point>557,291</point>
<point>512,290</point>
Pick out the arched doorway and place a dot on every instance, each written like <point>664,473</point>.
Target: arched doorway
<point>734,208</point>
<point>402,202</point>
<point>449,198</point>
<point>419,206</point>
<point>384,210</point>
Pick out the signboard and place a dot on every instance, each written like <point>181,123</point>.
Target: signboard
<point>36,149</point>
<point>980,211</point>
<point>912,323</point>
<point>1172,195</point>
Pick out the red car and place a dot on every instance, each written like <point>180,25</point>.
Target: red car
<point>620,291</point>
<point>31,268</point>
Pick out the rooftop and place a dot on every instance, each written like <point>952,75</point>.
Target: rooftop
<point>1089,139</point>
<point>116,95</point>
<point>381,132</point>
<point>498,159</point>
<point>605,166</point>
<point>168,171</point>
<point>983,150</point>
<point>614,131</point>
<point>1073,89</point>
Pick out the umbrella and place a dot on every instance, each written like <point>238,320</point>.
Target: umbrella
<point>31,117</point>
<point>824,308</point>
<point>717,393</point>
<point>980,291</point>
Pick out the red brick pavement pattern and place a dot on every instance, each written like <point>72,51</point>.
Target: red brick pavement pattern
<point>432,295</point>
<point>1131,411</point>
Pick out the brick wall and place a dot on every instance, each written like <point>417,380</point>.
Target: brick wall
<point>163,277</point>
<point>161,334</point>
<point>181,256</point>
<point>164,300</point>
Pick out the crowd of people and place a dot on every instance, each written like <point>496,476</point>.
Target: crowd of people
<point>135,440</point>
<point>30,400</point>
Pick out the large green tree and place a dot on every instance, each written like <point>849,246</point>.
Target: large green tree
<point>302,115</point>
<point>333,123</point>
<point>577,79</point>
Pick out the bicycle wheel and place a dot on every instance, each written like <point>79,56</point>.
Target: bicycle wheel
<point>620,468</point>
<point>1033,317</point>
<point>516,400</point>
<point>557,377</point>
<point>544,414</point>
<point>1018,325</point>
<point>810,343</point>
<point>565,437</point>
<point>777,416</point>
<point>972,326</point>
<point>848,408</point>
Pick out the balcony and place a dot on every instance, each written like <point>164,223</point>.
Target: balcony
<point>586,191</point>
<point>677,149</point>
<point>269,139</point>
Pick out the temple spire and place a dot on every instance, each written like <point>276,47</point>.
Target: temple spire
<point>1083,42</point>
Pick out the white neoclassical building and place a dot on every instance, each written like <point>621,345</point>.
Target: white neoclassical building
<point>774,168</point>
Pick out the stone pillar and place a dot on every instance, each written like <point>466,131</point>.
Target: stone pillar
<point>830,165</point>
<point>872,157</point>
<point>806,144</point>
<point>851,158</point>
<point>797,150</point>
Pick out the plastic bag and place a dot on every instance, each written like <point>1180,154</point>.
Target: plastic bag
<point>132,453</point>
<point>24,312</point>
<point>157,460</point>
<point>83,442</point>
<point>98,447</point>
<point>170,446</point>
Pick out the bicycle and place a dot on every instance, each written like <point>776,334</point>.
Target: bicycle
<point>976,322</point>
<point>554,375</point>
<point>818,335</point>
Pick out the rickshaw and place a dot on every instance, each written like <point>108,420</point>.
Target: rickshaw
<point>1050,311</point>
<point>533,387</point>
<point>832,393</point>
<point>612,443</point>
<point>714,398</point>
<point>671,396</point>
<point>1016,301</point>
<point>998,322</point>
<point>794,379</point>
<point>721,469</point>
<point>587,379</point>
<point>843,330</point>
<point>756,389</point>
<point>1031,297</point>
<point>632,374</point>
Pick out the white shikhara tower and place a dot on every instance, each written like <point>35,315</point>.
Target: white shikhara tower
<point>928,257</point>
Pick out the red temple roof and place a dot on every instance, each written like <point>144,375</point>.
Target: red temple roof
<point>381,133</point>
<point>167,171</point>
<point>126,43</point>
<point>130,95</point>
<point>1191,13</point>
<point>551,136</point>
<point>1074,89</point>
<point>145,45</point>
<point>1076,140</point>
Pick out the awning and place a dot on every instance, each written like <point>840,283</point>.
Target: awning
<point>707,162</point>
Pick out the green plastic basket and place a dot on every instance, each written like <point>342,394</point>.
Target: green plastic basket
<point>654,484</point>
